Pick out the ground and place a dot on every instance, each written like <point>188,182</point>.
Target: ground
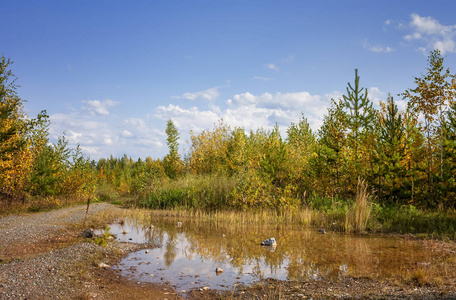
<point>42,256</point>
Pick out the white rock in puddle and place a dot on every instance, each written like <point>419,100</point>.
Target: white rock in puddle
<point>147,251</point>
<point>204,288</point>
<point>269,242</point>
<point>103,265</point>
<point>218,270</point>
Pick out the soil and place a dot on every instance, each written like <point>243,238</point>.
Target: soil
<point>42,256</point>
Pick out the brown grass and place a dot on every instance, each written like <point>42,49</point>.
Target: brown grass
<point>359,214</point>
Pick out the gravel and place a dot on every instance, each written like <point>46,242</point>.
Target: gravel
<point>40,226</point>
<point>65,273</point>
<point>48,276</point>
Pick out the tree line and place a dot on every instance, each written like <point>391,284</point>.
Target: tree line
<point>407,157</point>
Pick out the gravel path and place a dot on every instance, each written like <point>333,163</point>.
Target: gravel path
<point>64,266</point>
<point>40,226</point>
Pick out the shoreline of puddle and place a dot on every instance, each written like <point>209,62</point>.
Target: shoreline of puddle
<point>189,253</point>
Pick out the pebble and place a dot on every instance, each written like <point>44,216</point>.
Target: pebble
<point>53,272</point>
<point>103,265</point>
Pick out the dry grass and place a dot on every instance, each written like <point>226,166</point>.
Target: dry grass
<point>358,215</point>
<point>263,216</point>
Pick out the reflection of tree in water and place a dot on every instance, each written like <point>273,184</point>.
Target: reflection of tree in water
<point>171,249</point>
<point>304,252</point>
<point>171,252</point>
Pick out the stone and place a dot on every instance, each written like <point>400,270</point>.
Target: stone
<point>103,265</point>
<point>269,242</point>
<point>88,233</point>
<point>218,270</point>
<point>270,248</point>
<point>322,231</point>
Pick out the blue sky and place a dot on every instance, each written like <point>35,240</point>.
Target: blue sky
<point>111,73</point>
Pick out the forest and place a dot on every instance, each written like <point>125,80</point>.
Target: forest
<point>387,169</point>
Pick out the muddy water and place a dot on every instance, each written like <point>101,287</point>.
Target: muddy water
<point>190,252</point>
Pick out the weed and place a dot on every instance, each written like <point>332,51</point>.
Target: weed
<point>358,215</point>
<point>102,240</point>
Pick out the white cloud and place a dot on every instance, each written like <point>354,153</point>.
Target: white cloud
<point>377,48</point>
<point>138,137</point>
<point>108,141</point>
<point>272,67</point>
<point>126,133</point>
<point>250,112</point>
<point>375,95</point>
<point>388,22</point>
<point>144,136</point>
<point>413,36</point>
<point>262,78</point>
<point>266,109</point>
<point>434,34</point>
<point>188,119</point>
<point>134,122</point>
<point>94,107</point>
<point>423,50</point>
<point>209,94</point>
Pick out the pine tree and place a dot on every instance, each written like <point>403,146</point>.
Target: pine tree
<point>391,148</point>
<point>361,137</point>
<point>360,112</point>
<point>332,145</point>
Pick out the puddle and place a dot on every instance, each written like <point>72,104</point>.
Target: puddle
<point>190,253</point>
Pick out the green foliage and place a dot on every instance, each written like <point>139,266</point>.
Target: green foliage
<point>410,219</point>
<point>165,198</point>
<point>203,191</point>
<point>11,124</point>
<point>172,162</point>
<point>434,93</point>
<point>273,158</point>
<point>360,112</point>
<point>391,151</point>
<point>102,240</point>
<point>45,175</point>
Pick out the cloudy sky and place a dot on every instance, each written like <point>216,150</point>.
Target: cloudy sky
<point>111,73</point>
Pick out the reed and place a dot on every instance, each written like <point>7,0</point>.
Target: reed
<point>359,213</point>
<point>259,216</point>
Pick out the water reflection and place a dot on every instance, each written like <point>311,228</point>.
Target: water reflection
<point>190,253</point>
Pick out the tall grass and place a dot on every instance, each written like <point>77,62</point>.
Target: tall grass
<point>207,197</point>
<point>359,213</point>
<point>191,192</point>
<point>258,216</point>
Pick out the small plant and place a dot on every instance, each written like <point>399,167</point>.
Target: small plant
<point>419,277</point>
<point>102,240</point>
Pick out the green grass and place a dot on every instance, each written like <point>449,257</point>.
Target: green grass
<point>207,197</point>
